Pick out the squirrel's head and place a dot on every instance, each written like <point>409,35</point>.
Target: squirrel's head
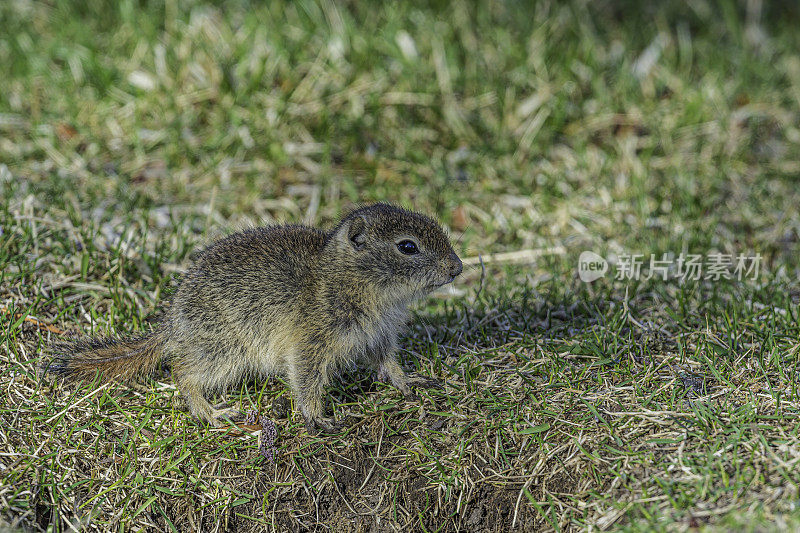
<point>396,249</point>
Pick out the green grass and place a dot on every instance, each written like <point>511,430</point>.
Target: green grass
<point>132,134</point>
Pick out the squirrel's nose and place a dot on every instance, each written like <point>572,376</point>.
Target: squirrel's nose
<point>455,265</point>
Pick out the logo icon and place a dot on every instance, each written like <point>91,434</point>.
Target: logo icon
<point>591,266</point>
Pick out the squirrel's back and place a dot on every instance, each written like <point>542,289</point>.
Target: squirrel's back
<point>259,266</point>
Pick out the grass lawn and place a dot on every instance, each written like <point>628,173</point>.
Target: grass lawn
<point>133,133</point>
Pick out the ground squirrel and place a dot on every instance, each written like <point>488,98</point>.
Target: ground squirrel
<point>290,300</point>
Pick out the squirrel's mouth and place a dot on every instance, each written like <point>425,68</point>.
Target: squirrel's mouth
<point>441,283</point>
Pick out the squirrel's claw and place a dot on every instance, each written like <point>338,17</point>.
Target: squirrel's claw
<point>327,426</point>
<point>219,416</point>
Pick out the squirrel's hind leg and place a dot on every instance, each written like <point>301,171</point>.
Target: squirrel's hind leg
<point>199,406</point>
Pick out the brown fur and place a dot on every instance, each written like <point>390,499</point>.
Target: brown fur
<point>108,359</point>
<point>289,300</point>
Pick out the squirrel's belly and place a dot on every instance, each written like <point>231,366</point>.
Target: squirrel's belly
<point>267,350</point>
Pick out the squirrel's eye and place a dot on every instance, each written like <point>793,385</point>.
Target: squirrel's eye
<point>407,247</point>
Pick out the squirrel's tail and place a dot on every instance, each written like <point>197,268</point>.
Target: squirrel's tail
<point>114,359</point>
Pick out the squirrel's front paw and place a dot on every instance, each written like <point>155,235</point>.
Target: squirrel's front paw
<point>323,425</point>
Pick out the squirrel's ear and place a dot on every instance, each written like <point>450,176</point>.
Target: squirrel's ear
<point>357,232</point>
